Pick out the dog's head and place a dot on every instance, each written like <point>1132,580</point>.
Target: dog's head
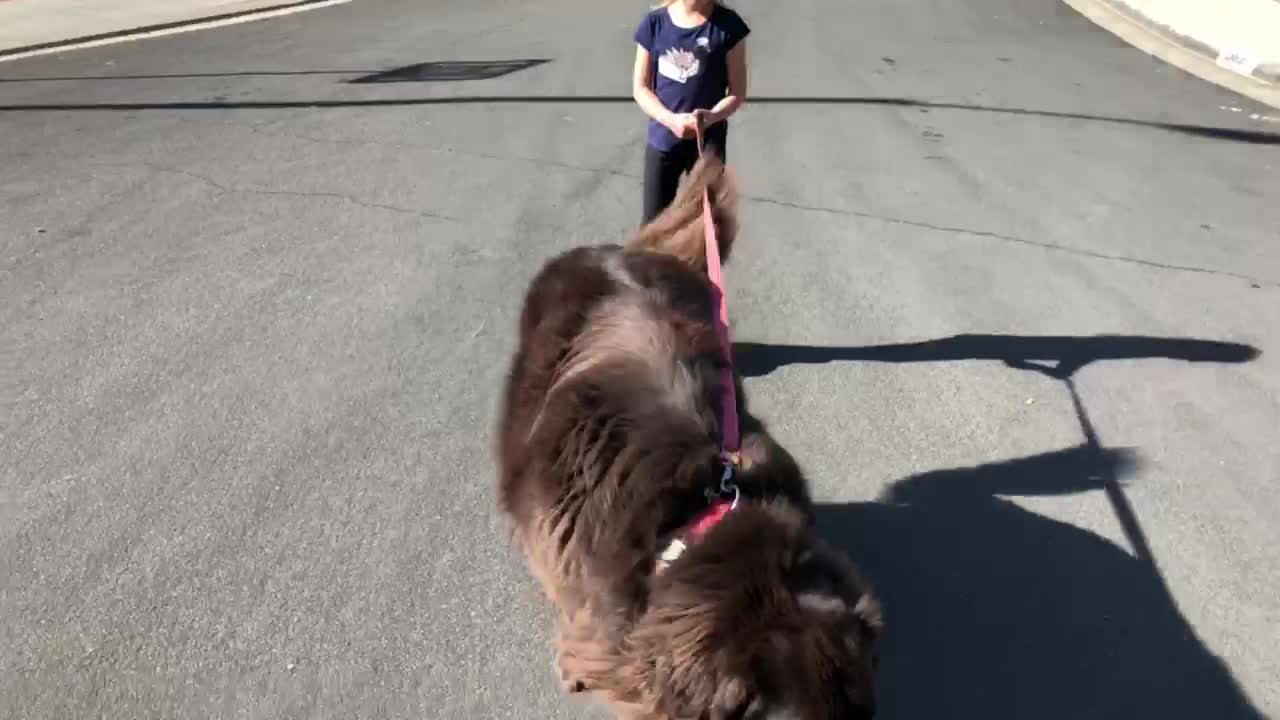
<point>760,620</point>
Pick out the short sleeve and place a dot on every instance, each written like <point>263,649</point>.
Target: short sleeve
<point>645,33</point>
<point>735,28</point>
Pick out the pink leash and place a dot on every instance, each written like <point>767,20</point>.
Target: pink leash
<point>729,435</point>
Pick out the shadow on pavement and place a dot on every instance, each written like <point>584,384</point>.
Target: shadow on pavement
<point>999,613</point>
<point>1058,357</point>
<point>1257,137</point>
<point>181,76</point>
<point>443,71</point>
<point>450,71</point>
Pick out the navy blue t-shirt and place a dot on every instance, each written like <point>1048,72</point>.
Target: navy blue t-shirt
<point>690,65</point>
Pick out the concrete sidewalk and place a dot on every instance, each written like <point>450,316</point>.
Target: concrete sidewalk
<point>32,26</point>
<point>1233,43</point>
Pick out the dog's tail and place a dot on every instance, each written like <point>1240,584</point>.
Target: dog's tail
<point>679,231</point>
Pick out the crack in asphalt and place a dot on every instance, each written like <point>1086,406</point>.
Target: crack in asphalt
<point>598,171</point>
<point>235,189</point>
<point>438,150</point>
<point>1013,239</point>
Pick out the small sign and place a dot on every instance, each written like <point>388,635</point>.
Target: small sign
<point>1238,61</point>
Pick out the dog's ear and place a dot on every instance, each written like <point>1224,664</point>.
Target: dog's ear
<point>814,586</point>
<point>869,613</point>
<point>755,449</point>
<point>826,604</point>
<point>819,590</point>
<point>771,471</point>
<point>734,700</point>
<point>749,709</point>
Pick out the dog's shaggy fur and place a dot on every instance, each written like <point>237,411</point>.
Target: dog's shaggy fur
<point>608,440</point>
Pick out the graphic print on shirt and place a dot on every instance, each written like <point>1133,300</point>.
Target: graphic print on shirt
<point>678,65</point>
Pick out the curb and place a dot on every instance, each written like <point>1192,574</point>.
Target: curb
<point>1261,83</point>
<point>1269,74</point>
<point>105,38</point>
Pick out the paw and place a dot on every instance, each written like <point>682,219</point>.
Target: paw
<point>569,683</point>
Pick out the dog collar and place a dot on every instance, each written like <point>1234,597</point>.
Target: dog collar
<point>720,501</point>
<point>695,530</point>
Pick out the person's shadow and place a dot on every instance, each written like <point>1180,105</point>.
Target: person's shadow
<point>1056,356</point>
<point>999,613</point>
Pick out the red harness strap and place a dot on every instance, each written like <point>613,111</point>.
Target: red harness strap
<point>708,518</point>
<point>694,531</point>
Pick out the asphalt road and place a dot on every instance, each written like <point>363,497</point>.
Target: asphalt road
<point>1009,289</point>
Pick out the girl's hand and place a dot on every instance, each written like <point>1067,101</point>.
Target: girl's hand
<point>683,125</point>
<point>706,118</point>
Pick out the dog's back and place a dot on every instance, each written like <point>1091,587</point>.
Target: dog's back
<point>611,332</point>
<point>608,444</point>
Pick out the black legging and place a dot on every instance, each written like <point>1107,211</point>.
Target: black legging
<point>663,168</point>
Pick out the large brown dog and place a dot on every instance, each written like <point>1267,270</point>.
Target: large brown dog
<point>608,446</point>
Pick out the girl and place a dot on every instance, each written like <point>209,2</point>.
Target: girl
<point>691,67</point>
